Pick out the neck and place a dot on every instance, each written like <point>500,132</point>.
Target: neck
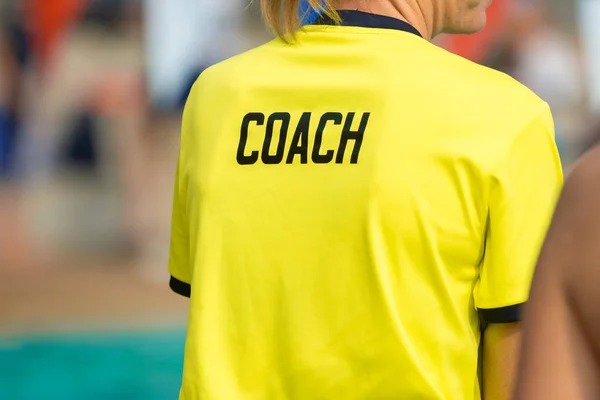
<point>425,15</point>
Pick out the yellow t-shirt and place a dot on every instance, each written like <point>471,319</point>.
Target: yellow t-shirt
<point>345,209</point>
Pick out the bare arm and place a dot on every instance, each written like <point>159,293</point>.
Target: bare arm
<point>500,357</point>
<point>562,320</point>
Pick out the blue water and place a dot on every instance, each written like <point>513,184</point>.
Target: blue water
<point>102,366</point>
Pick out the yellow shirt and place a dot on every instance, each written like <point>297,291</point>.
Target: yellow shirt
<point>346,208</point>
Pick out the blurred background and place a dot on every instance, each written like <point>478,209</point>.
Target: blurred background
<point>91,93</point>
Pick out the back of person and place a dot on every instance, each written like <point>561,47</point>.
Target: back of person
<point>332,215</point>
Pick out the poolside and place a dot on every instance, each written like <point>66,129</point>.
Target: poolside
<point>89,330</point>
<point>144,365</point>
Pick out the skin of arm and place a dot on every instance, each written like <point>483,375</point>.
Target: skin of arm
<point>500,358</point>
<point>561,339</point>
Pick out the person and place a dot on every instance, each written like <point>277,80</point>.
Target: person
<point>561,330</point>
<point>15,256</point>
<point>13,60</point>
<point>350,199</point>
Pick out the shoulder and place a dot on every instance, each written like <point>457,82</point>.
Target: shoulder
<point>231,69</point>
<point>492,107</point>
<point>495,89</point>
<point>223,82</point>
<point>479,97</point>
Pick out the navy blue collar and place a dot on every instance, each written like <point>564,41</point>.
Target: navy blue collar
<point>367,20</point>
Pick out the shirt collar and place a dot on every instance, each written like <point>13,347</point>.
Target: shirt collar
<point>367,20</point>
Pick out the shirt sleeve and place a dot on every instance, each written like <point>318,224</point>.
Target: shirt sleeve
<point>180,266</point>
<point>523,190</point>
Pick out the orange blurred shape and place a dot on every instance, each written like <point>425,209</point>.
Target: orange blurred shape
<point>48,20</point>
<point>476,47</point>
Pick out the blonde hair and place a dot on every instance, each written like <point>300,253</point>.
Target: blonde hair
<point>282,16</point>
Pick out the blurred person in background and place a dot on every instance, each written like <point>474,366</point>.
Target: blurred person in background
<point>350,200</point>
<point>87,150</point>
<point>101,126</point>
<point>14,58</point>
<point>201,33</point>
<point>47,24</point>
<point>561,358</point>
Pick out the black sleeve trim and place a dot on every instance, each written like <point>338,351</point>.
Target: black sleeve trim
<point>179,287</point>
<point>504,315</point>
